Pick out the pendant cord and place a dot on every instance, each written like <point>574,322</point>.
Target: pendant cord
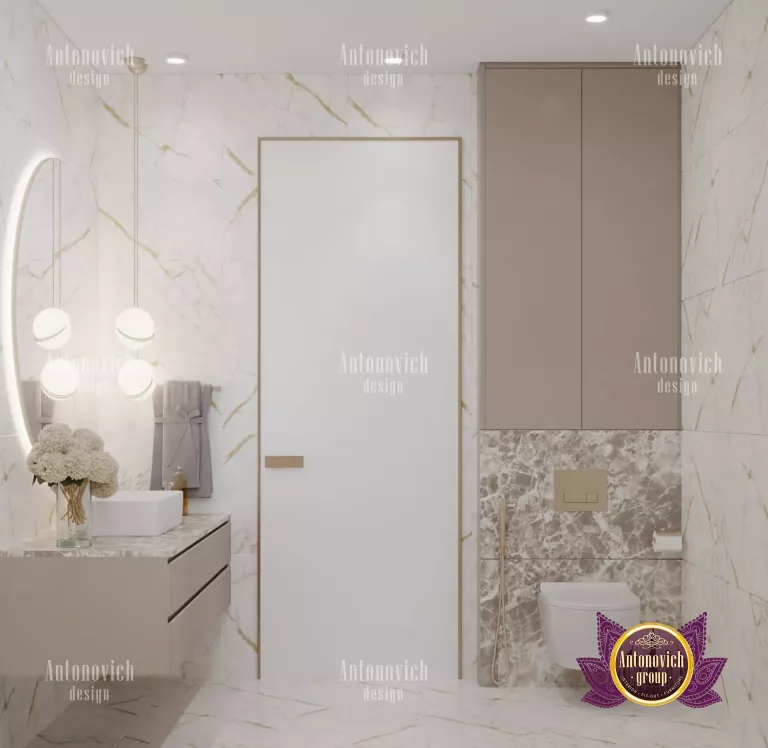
<point>59,242</point>
<point>136,190</point>
<point>53,233</point>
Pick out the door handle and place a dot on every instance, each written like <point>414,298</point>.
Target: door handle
<point>284,461</point>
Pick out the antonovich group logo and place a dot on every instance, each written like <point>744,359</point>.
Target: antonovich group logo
<point>651,664</point>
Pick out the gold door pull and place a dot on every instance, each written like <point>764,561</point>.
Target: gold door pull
<point>284,461</point>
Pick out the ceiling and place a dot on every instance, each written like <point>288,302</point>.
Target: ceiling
<point>306,36</point>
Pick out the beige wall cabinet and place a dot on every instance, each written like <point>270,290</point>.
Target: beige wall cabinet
<point>579,235</point>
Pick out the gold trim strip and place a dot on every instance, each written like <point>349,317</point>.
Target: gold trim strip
<point>258,411</point>
<point>460,415</point>
<point>459,143</point>
<point>283,461</point>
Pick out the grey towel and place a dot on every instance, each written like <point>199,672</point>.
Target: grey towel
<point>181,436</point>
<point>38,407</point>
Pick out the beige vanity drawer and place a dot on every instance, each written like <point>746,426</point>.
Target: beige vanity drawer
<point>192,569</point>
<point>190,625</point>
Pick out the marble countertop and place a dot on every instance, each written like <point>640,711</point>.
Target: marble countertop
<point>193,527</point>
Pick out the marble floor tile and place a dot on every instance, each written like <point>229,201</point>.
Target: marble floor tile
<point>452,714</point>
<point>86,726</point>
<point>158,709</point>
<point>456,714</point>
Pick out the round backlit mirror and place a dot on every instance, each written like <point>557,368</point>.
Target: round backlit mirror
<point>52,297</point>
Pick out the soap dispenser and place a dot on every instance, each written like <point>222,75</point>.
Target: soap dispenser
<point>180,484</point>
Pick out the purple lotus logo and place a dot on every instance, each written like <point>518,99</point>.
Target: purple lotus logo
<point>651,664</point>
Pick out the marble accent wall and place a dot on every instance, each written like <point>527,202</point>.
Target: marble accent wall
<point>198,273</point>
<point>725,287</point>
<point>517,467</point>
<point>38,111</point>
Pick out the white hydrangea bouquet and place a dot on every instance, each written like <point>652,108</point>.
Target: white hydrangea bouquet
<point>70,462</point>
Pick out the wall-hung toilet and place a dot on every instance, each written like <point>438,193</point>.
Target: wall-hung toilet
<point>568,612</point>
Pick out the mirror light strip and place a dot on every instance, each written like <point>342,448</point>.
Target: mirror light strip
<point>7,297</point>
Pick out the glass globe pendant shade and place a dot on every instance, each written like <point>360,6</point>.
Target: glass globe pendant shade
<point>52,328</point>
<point>59,379</point>
<point>135,328</point>
<point>136,379</point>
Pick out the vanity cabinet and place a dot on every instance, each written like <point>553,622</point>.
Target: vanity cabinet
<point>148,601</point>
<point>579,229</point>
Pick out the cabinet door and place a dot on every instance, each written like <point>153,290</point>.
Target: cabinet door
<point>631,246</point>
<point>531,277</point>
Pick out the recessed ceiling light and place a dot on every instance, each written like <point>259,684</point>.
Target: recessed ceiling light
<point>597,17</point>
<point>176,58</point>
<point>394,58</point>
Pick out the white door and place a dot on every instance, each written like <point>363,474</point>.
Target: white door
<point>360,282</point>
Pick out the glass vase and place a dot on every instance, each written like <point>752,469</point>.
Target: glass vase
<point>73,515</point>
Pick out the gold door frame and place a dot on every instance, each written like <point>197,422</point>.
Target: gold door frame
<point>458,141</point>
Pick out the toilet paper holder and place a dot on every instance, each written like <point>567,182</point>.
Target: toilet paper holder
<point>667,541</point>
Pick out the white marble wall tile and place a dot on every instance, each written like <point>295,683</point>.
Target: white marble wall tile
<point>10,459</point>
<point>757,728</point>
<point>726,95</point>
<point>733,632</point>
<point>205,662</point>
<point>725,445</point>
<point>240,630</point>
<point>425,106</point>
<point>726,495</point>
<point>25,510</point>
<point>730,321</point>
<point>725,209</point>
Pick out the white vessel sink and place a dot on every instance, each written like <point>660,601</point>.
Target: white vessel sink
<point>137,513</point>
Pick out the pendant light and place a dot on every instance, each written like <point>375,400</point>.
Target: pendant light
<point>59,379</point>
<point>136,379</point>
<point>52,327</point>
<point>135,327</point>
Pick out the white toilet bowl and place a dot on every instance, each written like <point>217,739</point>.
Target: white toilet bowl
<point>568,612</point>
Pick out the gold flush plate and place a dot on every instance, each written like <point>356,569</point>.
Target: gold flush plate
<point>581,490</point>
